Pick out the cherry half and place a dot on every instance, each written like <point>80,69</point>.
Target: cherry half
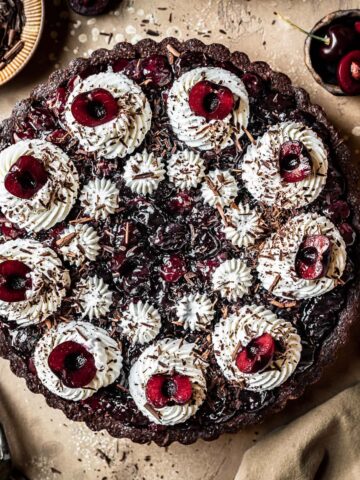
<point>348,73</point>
<point>257,354</point>
<point>161,390</point>
<point>25,177</point>
<point>313,257</point>
<point>294,161</point>
<point>73,364</point>
<point>210,100</point>
<point>14,281</point>
<point>95,107</point>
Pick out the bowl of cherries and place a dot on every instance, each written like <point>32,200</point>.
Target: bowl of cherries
<point>332,52</point>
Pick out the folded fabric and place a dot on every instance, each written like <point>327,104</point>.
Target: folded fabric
<point>323,444</point>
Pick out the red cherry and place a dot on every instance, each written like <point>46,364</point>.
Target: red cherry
<point>14,281</point>
<point>357,26</point>
<point>56,102</point>
<point>348,73</point>
<point>120,65</point>
<point>339,210</point>
<point>347,233</point>
<point>173,268</point>
<point>73,364</point>
<point>210,100</point>
<point>341,39</point>
<point>257,354</point>
<point>26,176</point>
<point>295,162</point>
<point>180,204</point>
<point>157,69</point>
<point>163,389</point>
<point>94,108</point>
<point>254,84</point>
<point>313,257</point>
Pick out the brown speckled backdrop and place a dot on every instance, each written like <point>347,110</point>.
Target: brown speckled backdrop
<point>46,445</point>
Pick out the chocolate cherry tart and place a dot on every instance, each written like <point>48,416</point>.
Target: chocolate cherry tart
<point>178,254</point>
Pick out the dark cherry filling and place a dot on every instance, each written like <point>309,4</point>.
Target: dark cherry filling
<point>210,100</point>
<point>348,73</point>
<point>26,176</point>
<point>295,162</point>
<point>173,268</point>
<point>73,364</point>
<point>14,281</point>
<point>162,390</point>
<point>157,69</point>
<point>313,257</point>
<point>257,354</point>
<point>253,83</point>
<point>94,108</point>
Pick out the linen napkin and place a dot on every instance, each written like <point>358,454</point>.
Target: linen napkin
<point>323,444</point>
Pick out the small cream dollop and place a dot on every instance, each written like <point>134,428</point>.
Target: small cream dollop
<point>79,243</point>
<point>143,172</point>
<point>195,311</point>
<point>185,169</point>
<point>219,188</point>
<point>99,198</point>
<point>243,225</point>
<point>93,297</point>
<point>232,279</point>
<point>140,323</point>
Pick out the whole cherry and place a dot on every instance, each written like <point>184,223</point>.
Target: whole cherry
<point>340,39</point>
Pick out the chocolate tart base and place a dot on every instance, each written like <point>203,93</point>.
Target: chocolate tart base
<point>295,386</point>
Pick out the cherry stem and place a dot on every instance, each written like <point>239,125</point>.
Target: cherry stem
<point>325,39</point>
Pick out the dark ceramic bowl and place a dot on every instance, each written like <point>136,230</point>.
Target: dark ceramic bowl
<point>315,66</point>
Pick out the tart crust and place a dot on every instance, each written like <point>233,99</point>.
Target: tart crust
<point>295,386</point>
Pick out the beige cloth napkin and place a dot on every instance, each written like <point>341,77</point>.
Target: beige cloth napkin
<point>323,444</point>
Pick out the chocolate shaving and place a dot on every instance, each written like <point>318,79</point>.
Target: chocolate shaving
<point>64,241</point>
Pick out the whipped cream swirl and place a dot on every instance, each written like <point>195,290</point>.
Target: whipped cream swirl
<point>93,297</point>
<point>261,172</point>
<point>243,225</point>
<point>219,188</point>
<point>49,282</point>
<point>165,357</point>
<point>195,311</point>
<point>232,279</point>
<point>276,262</point>
<point>195,130</point>
<point>143,172</point>
<point>140,323</point>
<point>99,198</point>
<point>53,202</point>
<point>106,353</point>
<point>78,243</point>
<point>185,169</point>
<point>122,135</point>
<point>237,330</point>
